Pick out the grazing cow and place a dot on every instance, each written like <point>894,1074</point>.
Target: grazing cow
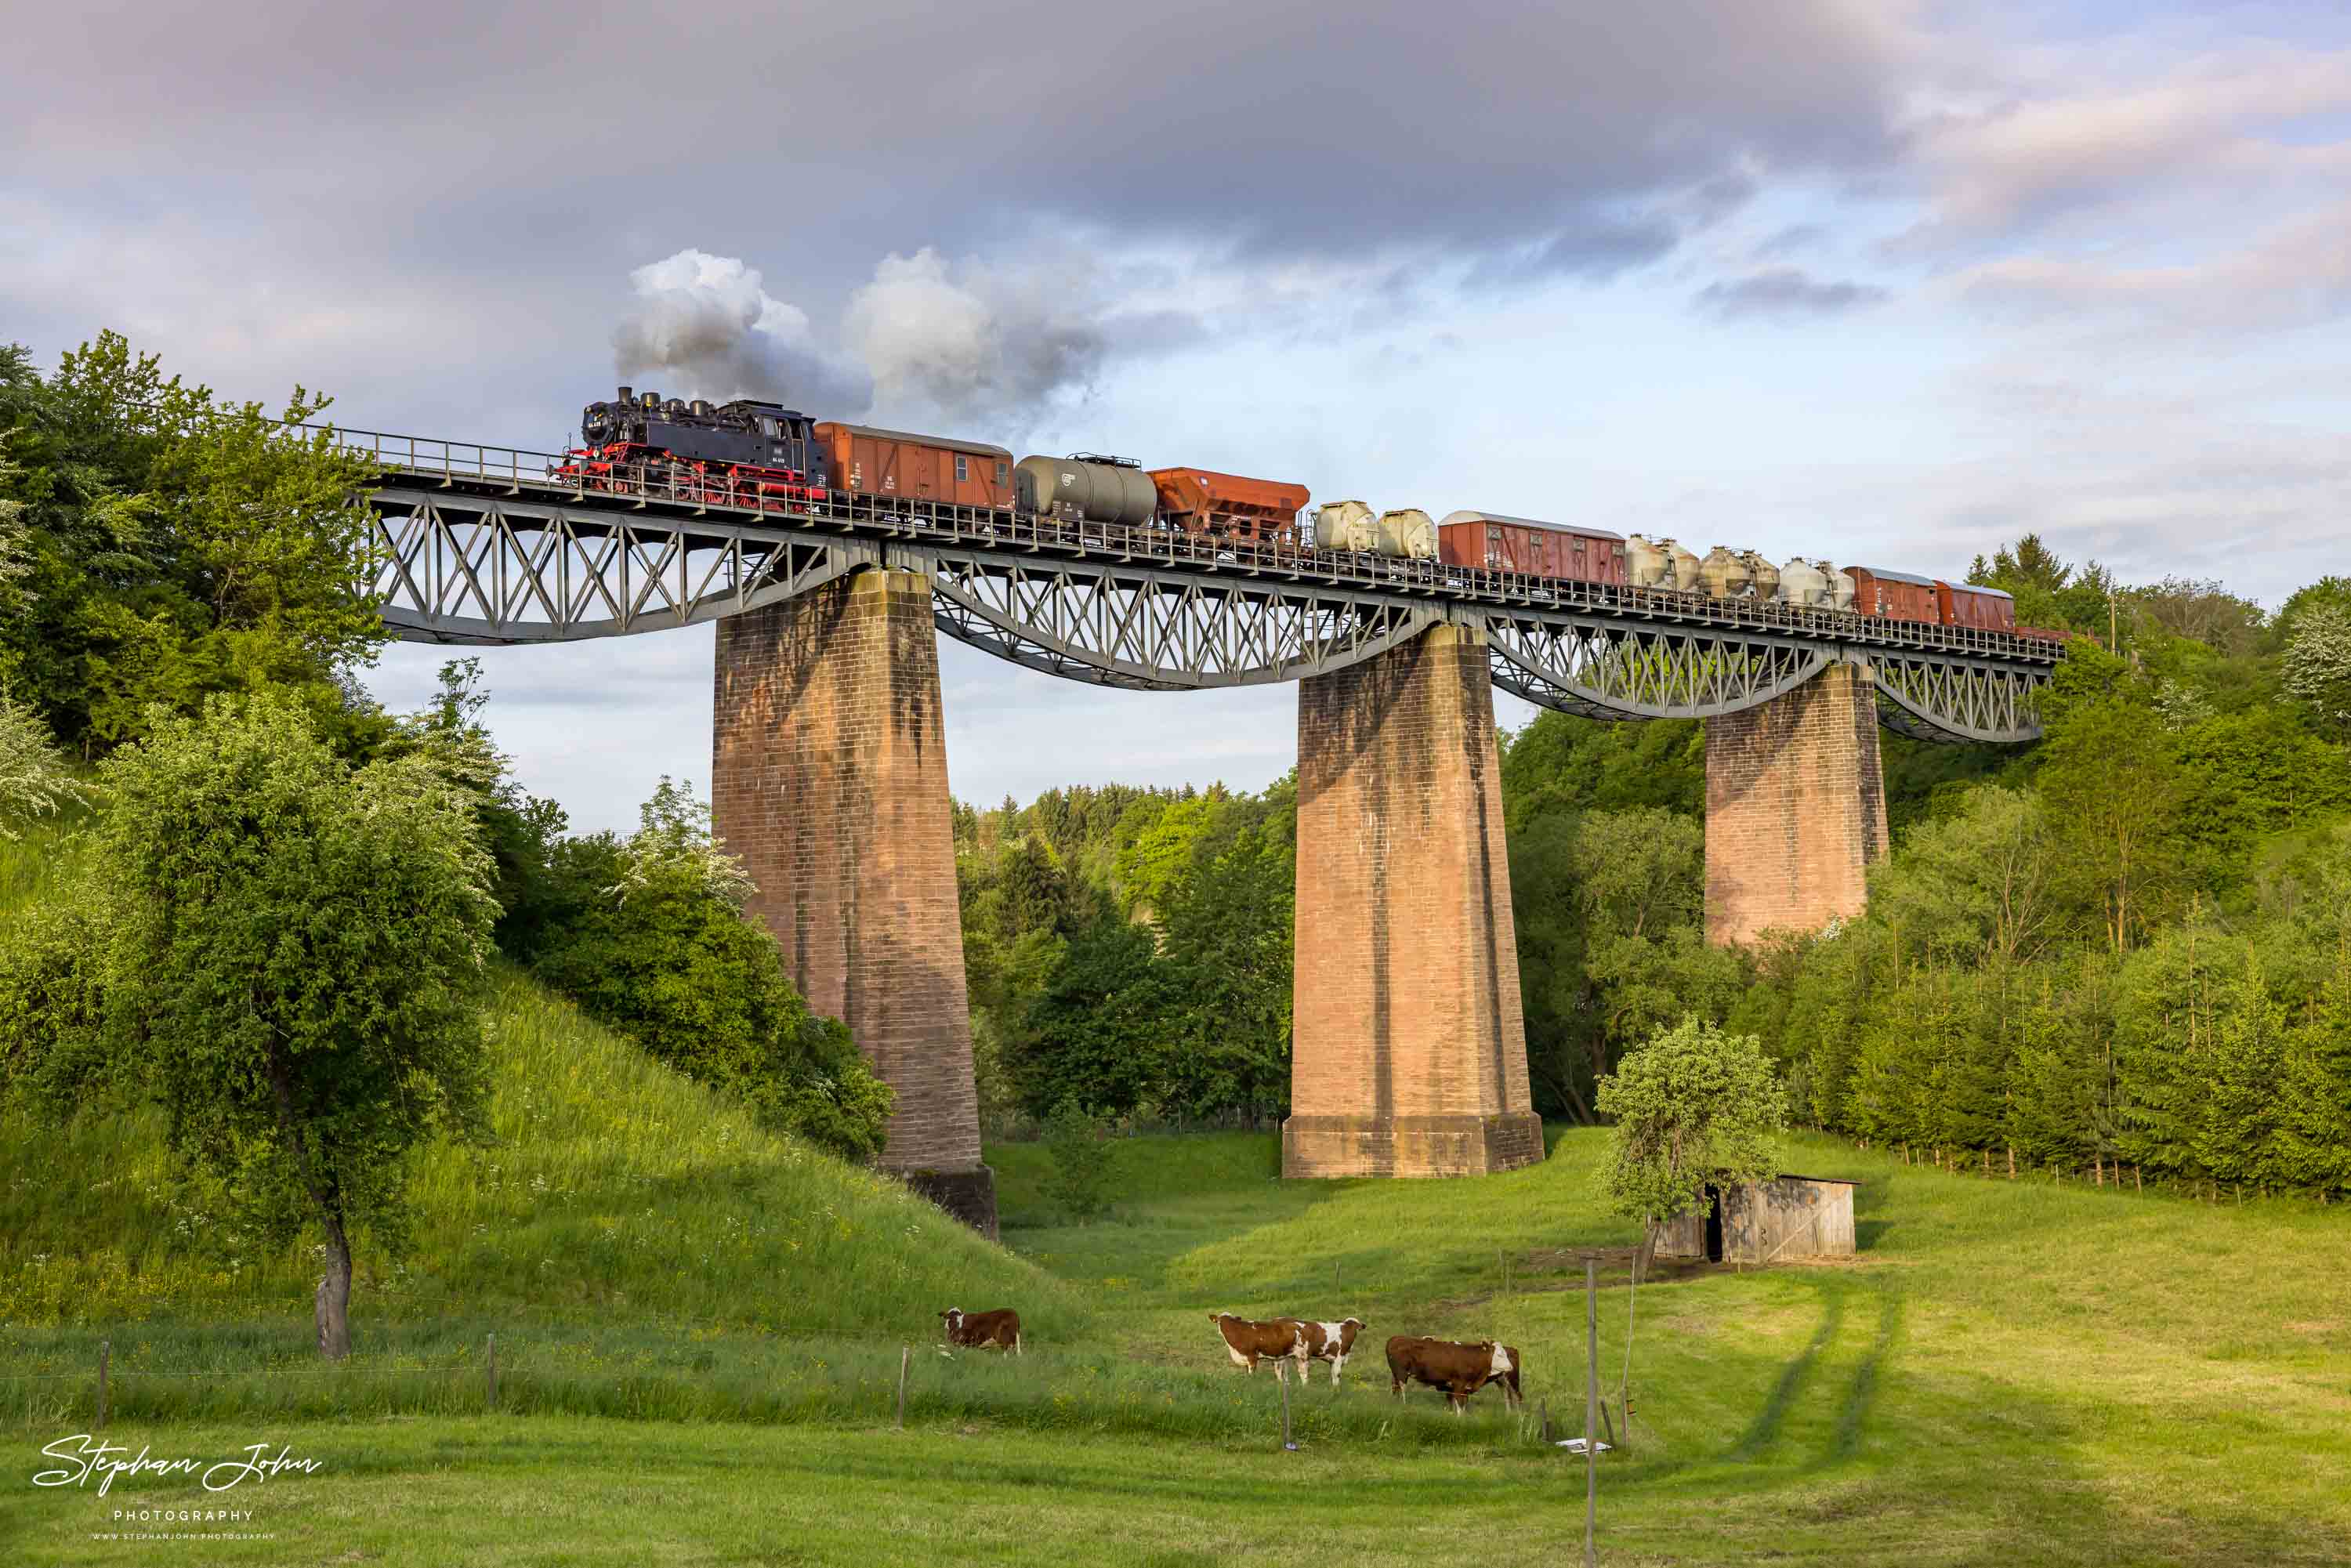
<point>998,1329</point>
<point>1332,1343</point>
<point>1248,1341</point>
<point>1460,1370</point>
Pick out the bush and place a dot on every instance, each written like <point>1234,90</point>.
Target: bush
<point>657,947</point>
<point>1082,1159</point>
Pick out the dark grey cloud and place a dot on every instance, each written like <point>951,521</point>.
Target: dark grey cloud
<point>1303,129</point>
<point>1785,291</point>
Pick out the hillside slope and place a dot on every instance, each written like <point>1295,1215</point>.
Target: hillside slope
<point>613,1189</point>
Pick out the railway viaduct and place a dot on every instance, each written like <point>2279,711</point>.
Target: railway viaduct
<point>828,774</point>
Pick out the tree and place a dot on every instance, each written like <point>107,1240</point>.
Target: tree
<point>1694,1107</point>
<point>164,545</point>
<point>2318,665</point>
<point>1609,906</point>
<point>295,953</point>
<point>1095,1037</point>
<point>1227,924</point>
<point>33,779</point>
<point>2110,779</point>
<point>661,950</point>
<point>1977,884</point>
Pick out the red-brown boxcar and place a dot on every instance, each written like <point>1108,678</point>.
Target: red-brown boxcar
<point>1202,501</point>
<point>1525,544</point>
<point>1897,595</point>
<point>1964,604</point>
<point>863,460</point>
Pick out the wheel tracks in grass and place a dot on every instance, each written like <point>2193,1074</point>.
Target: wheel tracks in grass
<point>1817,1412</point>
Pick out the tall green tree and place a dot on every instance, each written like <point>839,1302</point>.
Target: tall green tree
<point>165,544</point>
<point>295,953</point>
<point>2111,780</point>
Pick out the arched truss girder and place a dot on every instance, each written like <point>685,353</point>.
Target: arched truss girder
<point>1149,630</point>
<point>460,569</point>
<point>1618,671</point>
<point>1955,701</point>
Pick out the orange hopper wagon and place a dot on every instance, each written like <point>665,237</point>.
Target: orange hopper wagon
<point>1200,501</point>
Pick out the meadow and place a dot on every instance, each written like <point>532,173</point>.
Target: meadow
<point>699,1328</point>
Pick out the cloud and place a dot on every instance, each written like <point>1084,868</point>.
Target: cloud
<point>704,321</point>
<point>2082,140</point>
<point>2296,273</point>
<point>1318,128</point>
<point>1785,291</point>
<point>977,344</point>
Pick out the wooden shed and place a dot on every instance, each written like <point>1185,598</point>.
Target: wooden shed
<point>1767,1222</point>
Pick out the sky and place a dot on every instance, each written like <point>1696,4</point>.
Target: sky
<point>1886,280</point>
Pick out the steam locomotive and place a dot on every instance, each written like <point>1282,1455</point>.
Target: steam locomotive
<point>749,453</point>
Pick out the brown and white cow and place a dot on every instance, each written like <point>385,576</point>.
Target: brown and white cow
<point>1460,1370</point>
<point>1332,1343</point>
<point>998,1329</point>
<point>1248,1341</point>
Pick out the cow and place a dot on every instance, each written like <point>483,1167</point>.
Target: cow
<point>1460,1370</point>
<point>1248,1341</point>
<point>1332,1343</point>
<point>998,1329</point>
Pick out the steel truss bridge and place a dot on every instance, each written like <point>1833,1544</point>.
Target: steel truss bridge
<point>494,546</point>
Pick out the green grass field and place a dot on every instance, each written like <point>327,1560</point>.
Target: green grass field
<point>698,1332</point>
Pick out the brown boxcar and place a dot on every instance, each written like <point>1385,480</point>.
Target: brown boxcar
<point>1537,549</point>
<point>1985,608</point>
<point>863,460</point>
<point>1897,595</point>
<point>1202,501</point>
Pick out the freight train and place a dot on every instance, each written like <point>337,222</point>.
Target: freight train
<point>754,454</point>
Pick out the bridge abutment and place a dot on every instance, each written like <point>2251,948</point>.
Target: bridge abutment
<point>1795,808</point>
<point>829,778</point>
<point>1409,1050</point>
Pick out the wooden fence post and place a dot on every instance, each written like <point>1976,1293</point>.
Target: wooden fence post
<point>905,1355</point>
<point>105,1354</point>
<point>490,1361</point>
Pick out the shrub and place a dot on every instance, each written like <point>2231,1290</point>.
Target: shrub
<point>1082,1159</point>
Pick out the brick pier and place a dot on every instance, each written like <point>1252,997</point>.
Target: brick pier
<point>1408,1051</point>
<point>1795,808</point>
<point>829,777</point>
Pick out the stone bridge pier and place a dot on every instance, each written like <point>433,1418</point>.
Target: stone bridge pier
<point>1795,808</point>
<point>1409,1050</point>
<point>829,778</point>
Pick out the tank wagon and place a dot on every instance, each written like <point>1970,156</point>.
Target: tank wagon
<point>753,453</point>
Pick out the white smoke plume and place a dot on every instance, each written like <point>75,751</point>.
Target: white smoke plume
<point>971,348</point>
<point>976,342</point>
<point>704,324</point>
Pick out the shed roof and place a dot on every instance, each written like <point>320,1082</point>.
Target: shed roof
<point>1831,1181</point>
<point>1452,518</point>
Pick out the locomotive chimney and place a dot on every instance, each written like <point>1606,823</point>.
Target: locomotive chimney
<point>628,394</point>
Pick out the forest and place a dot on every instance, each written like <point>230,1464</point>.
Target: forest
<point>2122,951</point>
